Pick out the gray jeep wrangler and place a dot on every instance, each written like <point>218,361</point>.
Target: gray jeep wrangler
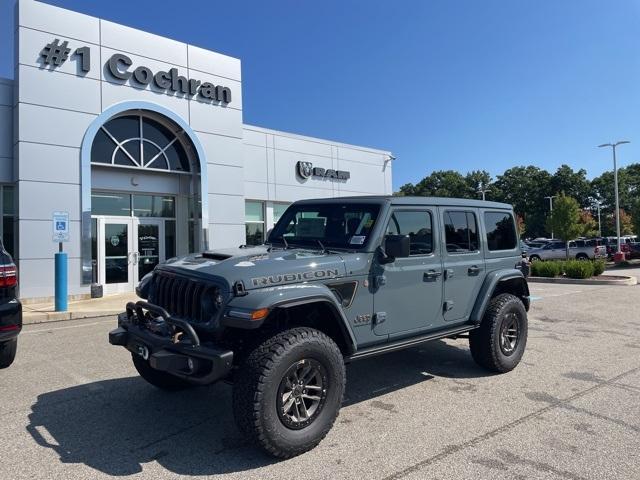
<point>338,280</point>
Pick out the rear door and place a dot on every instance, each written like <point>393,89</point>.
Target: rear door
<point>464,265</point>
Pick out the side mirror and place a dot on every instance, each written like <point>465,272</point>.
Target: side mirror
<point>396,246</point>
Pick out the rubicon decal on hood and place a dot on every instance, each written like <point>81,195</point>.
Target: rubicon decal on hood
<point>294,277</point>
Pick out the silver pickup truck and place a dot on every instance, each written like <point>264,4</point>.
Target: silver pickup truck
<point>583,249</point>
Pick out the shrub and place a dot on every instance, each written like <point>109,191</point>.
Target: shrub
<point>578,269</point>
<point>545,269</point>
<point>598,267</point>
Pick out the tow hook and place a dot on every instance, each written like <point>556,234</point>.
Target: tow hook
<point>143,352</point>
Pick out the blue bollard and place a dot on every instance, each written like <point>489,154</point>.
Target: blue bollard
<point>61,281</point>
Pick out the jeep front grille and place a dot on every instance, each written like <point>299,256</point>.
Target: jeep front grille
<point>185,298</point>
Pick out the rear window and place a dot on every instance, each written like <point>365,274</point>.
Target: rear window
<point>501,231</point>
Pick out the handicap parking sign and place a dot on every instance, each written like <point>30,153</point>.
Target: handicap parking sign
<point>60,226</point>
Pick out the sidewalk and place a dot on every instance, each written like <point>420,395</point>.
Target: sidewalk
<point>95,307</point>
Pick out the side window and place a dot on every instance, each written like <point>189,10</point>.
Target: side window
<point>416,224</point>
<point>501,231</point>
<point>461,231</point>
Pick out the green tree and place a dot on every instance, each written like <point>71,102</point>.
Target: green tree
<point>588,224</point>
<point>526,188</point>
<point>442,183</point>
<point>479,179</point>
<point>635,216</point>
<point>572,183</point>
<point>564,221</point>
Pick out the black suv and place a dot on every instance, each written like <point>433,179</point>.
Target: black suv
<point>10,309</point>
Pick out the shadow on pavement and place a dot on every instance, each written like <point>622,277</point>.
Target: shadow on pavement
<point>115,426</point>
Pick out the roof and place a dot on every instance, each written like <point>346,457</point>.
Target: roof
<point>437,201</point>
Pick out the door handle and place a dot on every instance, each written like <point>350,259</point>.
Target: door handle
<point>431,275</point>
<point>135,257</point>
<point>473,270</point>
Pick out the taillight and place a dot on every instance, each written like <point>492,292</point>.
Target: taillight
<point>8,275</point>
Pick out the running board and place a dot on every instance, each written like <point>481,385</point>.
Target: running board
<point>408,342</point>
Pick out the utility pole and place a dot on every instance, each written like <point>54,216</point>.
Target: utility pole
<point>551,208</point>
<point>615,188</point>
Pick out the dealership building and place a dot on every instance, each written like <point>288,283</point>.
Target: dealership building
<point>139,141</point>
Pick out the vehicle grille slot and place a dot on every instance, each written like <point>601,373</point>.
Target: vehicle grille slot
<point>183,297</point>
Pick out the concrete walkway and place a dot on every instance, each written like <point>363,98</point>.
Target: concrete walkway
<point>95,307</point>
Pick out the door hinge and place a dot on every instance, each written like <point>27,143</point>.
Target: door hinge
<point>448,305</point>
<point>448,273</point>
<point>379,317</point>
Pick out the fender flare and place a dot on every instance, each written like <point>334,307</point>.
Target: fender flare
<point>491,282</point>
<point>343,324</point>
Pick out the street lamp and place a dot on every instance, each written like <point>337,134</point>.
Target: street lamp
<point>483,190</point>
<point>551,208</point>
<point>615,188</point>
<point>598,204</point>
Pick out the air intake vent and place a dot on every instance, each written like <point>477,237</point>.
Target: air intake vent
<point>215,256</point>
<point>186,298</point>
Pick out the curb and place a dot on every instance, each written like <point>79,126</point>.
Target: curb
<point>622,280</point>
<point>34,318</point>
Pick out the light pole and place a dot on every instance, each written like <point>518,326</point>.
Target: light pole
<point>615,188</point>
<point>551,208</point>
<point>482,190</point>
<point>598,203</point>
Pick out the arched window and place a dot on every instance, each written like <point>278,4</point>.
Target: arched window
<point>138,141</point>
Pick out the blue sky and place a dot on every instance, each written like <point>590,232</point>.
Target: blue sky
<point>462,84</point>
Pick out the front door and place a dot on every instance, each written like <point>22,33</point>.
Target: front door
<point>464,268</point>
<point>116,256</point>
<point>408,291</point>
<point>151,248</point>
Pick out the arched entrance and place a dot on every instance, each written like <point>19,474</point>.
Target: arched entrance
<point>142,194</point>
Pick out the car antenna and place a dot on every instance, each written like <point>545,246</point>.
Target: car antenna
<point>324,250</point>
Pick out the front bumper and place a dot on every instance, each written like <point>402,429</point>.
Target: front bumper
<point>10,320</point>
<point>170,344</point>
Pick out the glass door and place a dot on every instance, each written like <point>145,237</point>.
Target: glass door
<point>151,248</point>
<point>117,254</point>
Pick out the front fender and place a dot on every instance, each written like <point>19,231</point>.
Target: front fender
<point>238,310</point>
<point>492,283</point>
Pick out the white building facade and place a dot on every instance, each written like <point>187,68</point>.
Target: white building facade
<point>140,140</point>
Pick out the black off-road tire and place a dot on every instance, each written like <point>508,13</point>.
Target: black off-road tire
<point>161,380</point>
<point>8,352</point>
<point>485,341</point>
<point>258,382</point>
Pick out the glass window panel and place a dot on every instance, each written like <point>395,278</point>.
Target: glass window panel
<point>417,225</point>
<point>178,160</point>
<point>153,206</point>
<point>116,238</point>
<point>8,200</point>
<point>102,148</point>
<point>255,233</point>
<point>133,147</point>
<point>253,212</point>
<point>169,239</point>
<point>278,210</point>
<point>150,151</point>
<point>124,128</point>
<point>111,204</point>
<point>149,248</point>
<point>156,132</point>
<point>461,232</point>
<point>8,234</point>
<point>123,159</point>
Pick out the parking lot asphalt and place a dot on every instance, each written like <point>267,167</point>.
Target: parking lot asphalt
<point>72,406</point>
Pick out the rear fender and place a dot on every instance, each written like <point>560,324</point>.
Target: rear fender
<point>500,281</point>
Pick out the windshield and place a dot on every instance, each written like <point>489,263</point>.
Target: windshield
<point>335,225</point>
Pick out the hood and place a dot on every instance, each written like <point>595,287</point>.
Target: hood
<point>259,267</point>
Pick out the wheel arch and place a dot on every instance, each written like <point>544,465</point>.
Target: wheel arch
<point>317,312</point>
<point>501,281</point>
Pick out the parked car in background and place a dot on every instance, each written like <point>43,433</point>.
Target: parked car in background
<point>10,309</point>
<point>582,249</point>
